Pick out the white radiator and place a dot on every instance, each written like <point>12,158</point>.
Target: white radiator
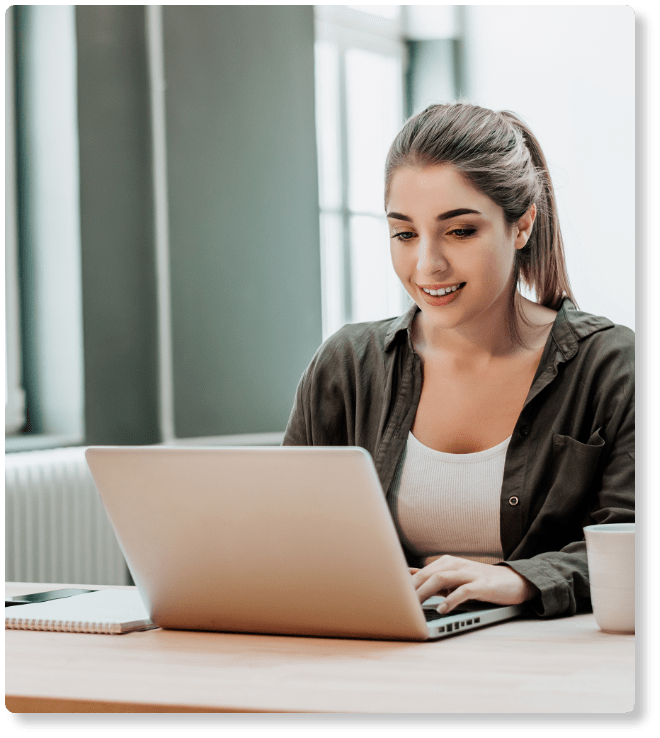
<point>56,529</point>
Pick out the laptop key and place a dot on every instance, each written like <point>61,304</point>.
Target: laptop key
<point>433,614</point>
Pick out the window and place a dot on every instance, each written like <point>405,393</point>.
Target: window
<point>360,64</point>
<point>43,228</point>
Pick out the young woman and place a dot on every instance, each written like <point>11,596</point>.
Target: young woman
<point>499,426</point>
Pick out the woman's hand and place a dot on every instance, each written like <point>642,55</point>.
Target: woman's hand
<point>461,580</point>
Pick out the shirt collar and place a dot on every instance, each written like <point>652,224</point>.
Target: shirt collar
<point>403,323</point>
<point>562,329</point>
<point>572,324</point>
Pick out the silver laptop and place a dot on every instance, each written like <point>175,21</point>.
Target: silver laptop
<point>281,540</point>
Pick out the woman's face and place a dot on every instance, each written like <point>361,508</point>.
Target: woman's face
<point>447,236</point>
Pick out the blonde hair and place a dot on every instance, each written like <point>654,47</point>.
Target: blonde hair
<point>498,154</point>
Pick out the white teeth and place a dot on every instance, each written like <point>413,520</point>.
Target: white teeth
<point>441,291</point>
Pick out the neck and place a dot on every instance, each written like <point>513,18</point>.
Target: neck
<point>486,336</point>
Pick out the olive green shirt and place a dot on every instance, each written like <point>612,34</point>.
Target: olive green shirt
<point>570,461</point>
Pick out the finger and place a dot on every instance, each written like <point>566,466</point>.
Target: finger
<point>444,563</point>
<point>412,570</point>
<point>423,575</point>
<point>446,567</point>
<point>438,582</point>
<point>460,595</point>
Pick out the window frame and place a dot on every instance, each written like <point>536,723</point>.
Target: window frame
<point>15,395</point>
<point>347,28</point>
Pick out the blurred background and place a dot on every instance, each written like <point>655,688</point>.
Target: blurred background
<point>194,196</point>
<point>198,202</point>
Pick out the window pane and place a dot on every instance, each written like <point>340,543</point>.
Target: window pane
<point>332,273</point>
<point>327,123</point>
<point>49,230</point>
<point>375,289</point>
<point>373,90</point>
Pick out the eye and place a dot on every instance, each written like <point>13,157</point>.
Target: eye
<point>403,236</point>
<point>463,232</point>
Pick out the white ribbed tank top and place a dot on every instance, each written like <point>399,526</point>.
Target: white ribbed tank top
<point>449,503</point>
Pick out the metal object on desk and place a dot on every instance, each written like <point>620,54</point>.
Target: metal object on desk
<point>53,594</point>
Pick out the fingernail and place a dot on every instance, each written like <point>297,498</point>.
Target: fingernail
<point>441,608</point>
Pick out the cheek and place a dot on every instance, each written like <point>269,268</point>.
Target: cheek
<point>496,265</point>
<point>404,263</point>
<point>399,261</point>
<point>505,263</point>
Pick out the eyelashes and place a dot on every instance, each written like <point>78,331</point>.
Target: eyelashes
<point>463,232</point>
<point>459,233</point>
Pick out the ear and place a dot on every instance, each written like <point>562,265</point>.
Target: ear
<point>524,227</point>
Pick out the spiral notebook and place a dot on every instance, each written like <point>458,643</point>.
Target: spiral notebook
<point>111,611</point>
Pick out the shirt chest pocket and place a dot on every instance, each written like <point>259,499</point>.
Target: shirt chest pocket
<point>574,463</point>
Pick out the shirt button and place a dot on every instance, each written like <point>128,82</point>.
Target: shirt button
<point>513,500</point>
<point>524,430</point>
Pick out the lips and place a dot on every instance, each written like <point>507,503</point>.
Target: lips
<point>442,289</point>
<point>445,299</point>
<point>440,285</point>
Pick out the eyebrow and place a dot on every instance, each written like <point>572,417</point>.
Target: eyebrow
<point>443,216</point>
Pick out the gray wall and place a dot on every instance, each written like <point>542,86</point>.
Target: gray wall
<point>243,214</point>
<point>243,210</point>
<point>117,239</point>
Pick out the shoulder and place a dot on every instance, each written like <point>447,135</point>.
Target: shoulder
<point>597,333</point>
<point>350,363</point>
<point>355,358</point>
<point>610,354</point>
<point>575,330</point>
<point>357,343</point>
<point>603,352</point>
<point>615,339</point>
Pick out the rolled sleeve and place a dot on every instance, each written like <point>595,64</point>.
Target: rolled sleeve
<point>561,580</point>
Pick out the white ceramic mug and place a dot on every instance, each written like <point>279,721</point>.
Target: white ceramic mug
<point>611,557</point>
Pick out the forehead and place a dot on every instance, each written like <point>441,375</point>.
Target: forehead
<point>440,186</point>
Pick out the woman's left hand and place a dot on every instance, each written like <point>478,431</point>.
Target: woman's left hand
<point>468,580</point>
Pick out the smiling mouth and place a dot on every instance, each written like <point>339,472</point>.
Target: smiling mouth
<point>444,290</point>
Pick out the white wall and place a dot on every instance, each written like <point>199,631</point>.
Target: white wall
<point>569,72</point>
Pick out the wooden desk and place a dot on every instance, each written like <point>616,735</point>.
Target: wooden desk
<point>525,666</point>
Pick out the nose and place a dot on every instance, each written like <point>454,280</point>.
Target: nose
<point>431,258</point>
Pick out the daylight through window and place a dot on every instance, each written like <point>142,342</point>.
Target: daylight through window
<point>360,62</point>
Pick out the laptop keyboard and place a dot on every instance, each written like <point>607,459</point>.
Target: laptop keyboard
<point>433,614</point>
